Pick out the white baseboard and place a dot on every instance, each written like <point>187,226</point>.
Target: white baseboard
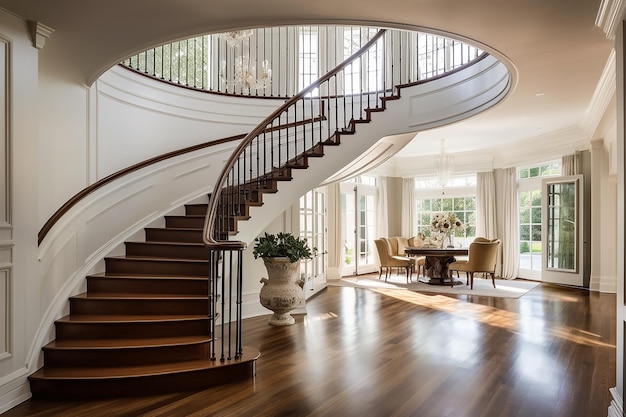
<point>603,284</point>
<point>616,409</point>
<point>14,393</point>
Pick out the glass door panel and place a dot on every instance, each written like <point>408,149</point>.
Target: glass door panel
<point>366,232</point>
<point>358,212</point>
<point>563,231</point>
<point>530,245</point>
<point>348,220</point>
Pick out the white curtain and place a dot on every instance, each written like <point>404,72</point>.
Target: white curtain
<point>510,238</point>
<point>409,214</point>
<point>486,205</point>
<point>570,164</point>
<point>382,213</point>
<point>335,243</point>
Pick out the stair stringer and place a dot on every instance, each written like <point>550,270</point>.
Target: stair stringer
<point>446,100</point>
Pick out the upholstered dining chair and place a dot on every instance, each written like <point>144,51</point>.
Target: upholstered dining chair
<point>396,247</point>
<point>388,261</point>
<point>482,257</point>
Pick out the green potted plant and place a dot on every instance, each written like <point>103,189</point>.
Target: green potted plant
<point>281,291</point>
<point>282,245</point>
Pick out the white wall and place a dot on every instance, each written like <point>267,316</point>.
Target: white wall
<point>139,118</point>
<point>20,304</point>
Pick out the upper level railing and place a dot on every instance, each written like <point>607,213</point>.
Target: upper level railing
<point>318,115</point>
<point>266,154</point>
<point>280,61</point>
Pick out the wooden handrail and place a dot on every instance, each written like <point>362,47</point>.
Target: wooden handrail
<point>211,216</point>
<point>119,174</point>
<point>133,168</point>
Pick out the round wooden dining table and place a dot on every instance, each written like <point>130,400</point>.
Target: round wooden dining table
<point>436,269</point>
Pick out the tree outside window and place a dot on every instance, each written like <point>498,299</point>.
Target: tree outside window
<point>463,207</point>
<point>529,220</point>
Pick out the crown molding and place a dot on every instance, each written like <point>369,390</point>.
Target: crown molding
<point>550,146</point>
<point>547,147</point>
<point>424,165</point>
<point>602,96</point>
<point>39,33</point>
<point>609,16</point>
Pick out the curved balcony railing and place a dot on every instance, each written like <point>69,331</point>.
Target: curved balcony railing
<point>280,61</point>
<point>268,153</point>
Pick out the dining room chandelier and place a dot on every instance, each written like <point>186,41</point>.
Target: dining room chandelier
<point>243,72</point>
<point>444,163</point>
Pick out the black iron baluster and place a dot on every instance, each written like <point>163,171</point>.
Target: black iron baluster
<point>239,286</point>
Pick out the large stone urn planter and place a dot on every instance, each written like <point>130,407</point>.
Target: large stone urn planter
<point>281,291</point>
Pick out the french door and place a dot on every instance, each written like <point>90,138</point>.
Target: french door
<point>562,230</point>
<point>312,211</point>
<point>358,212</point>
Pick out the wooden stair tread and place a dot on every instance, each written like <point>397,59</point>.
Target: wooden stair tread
<point>104,275</point>
<point>125,372</point>
<point>185,215</point>
<point>175,228</point>
<point>126,343</point>
<point>137,296</point>
<point>165,243</point>
<point>126,318</point>
<point>155,259</point>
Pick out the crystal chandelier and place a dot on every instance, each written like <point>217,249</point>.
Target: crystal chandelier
<point>249,76</point>
<point>444,164</point>
<point>236,36</point>
<point>247,73</point>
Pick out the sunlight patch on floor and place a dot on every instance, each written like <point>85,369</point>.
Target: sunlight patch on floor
<point>489,315</point>
<point>320,317</point>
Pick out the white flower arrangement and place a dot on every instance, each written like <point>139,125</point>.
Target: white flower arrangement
<point>445,223</point>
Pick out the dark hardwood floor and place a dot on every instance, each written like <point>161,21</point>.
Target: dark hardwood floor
<point>366,352</point>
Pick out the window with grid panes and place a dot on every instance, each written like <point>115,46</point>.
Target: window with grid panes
<point>463,207</point>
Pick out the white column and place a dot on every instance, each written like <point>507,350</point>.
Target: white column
<point>603,206</point>
<point>620,91</point>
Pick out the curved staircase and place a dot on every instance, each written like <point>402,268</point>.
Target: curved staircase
<point>143,326</point>
<point>149,323</point>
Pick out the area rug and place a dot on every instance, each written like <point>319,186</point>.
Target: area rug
<point>482,287</point>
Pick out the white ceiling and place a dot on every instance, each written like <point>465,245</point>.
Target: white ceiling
<point>553,45</point>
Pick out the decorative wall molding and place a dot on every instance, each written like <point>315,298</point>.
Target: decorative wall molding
<point>131,89</point>
<point>5,143</point>
<point>602,96</point>
<point>609,16</point>
<point>39,33</point>
<point>6,227</point>
<point>5,311</point>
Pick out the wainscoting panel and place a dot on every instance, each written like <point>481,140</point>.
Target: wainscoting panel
<point>5,304</point>
<point>5,143</point>
<point>6,227</point>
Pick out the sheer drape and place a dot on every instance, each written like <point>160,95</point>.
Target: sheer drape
<point>486,205</point>
<point>570,164</point>
<point>335,242</point>
<point>409,214</point>
<point>382,213</point>
<point>510,239</point>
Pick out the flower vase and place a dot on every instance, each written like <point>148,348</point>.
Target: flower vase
<point>281,292</point>
<point>448,240</point>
